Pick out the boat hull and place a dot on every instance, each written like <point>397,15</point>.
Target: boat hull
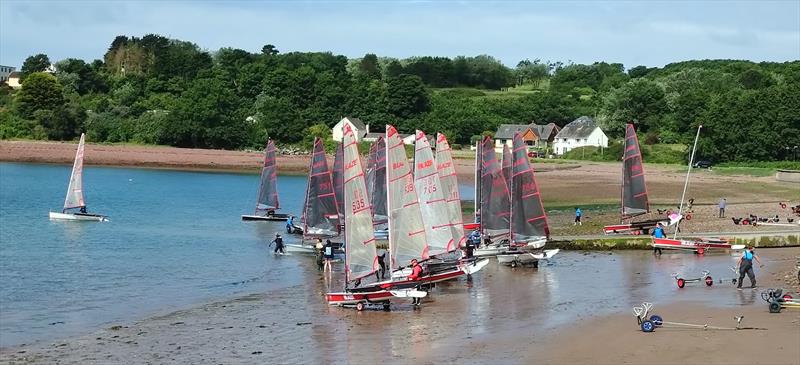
<point>78,217</point>
<point>525,258</point>
<point>487,251</point>
<point>635,228</point>
<point>266,218</point>
<point>694,245</point>
<point>376,296</point>
<point>295,248</point>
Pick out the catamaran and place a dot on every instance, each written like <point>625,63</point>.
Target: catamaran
<point>267,198</point>
<point>699,245</point>
<point>361,258</point>
<point>320,210</point>
<point>74,199</point>
<point>633,195</point>
<point>528,221</point>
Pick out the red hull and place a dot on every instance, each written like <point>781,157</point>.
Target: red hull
<point>696,244</point>
<point>353,298</point>
<point>472,226</point>
<point>620,228</point>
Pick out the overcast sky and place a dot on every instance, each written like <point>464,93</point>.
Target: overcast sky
<point>631,32</point>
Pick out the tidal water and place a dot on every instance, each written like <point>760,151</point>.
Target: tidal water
<point>175,240</point>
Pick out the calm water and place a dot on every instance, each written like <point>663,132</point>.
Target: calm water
<point>176,239</point>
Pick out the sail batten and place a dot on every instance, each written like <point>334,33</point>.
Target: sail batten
<point>495,204</point>
<point>449,180</point>
<point>528,217</point>
<point>267,199</point>
<point>361,258</point>
<point>433,205</point>
<point>74,198</point>
<point>320,213</point>
<point>634,190</point>
<point>406,231</point>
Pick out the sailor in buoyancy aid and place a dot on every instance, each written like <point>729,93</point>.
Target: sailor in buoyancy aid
<point>416,274</point>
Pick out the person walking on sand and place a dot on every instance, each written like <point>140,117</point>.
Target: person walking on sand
<point>722,204</point>
<point>578,215</point>
<point>416,274</point>
<point>278,241</point>
<point>320,254</point>
<point>328,256</point>
<point>746,267</point>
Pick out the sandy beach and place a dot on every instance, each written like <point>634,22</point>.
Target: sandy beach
<point>553,315</point>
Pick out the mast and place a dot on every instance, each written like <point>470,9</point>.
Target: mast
<point>478,174</point>
<point>686,183</point>
<point>389,251</point>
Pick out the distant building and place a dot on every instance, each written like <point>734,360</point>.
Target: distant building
<point>13,80</point>
<point>5,71</point>
<point>359,128</point>
<point>534,135</point>
<point>579,133</point>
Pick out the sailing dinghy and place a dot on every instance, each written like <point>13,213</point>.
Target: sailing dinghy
<point>495,204</point>
<point>528,220</point>
<point>320,210</point>
<point>361,258</point>
<point>376,187</point>
<point>74,200</point>
<point>698,245</point>
<point>267,198</point>
<point>633,195</point>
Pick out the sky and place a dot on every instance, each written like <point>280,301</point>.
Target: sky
<point>633,33</point>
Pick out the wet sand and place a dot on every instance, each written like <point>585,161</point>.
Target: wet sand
<point>575,310</point>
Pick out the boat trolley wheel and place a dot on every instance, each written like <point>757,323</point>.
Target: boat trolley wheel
<point>681,283</point>
<point>648,326</point>
<point>709,281</point>
<point>774,307</point>
<point>360,306</point>
<point>387,307</point>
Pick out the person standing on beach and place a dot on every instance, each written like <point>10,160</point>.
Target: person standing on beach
<point>278,241</point>
<point>328,256</point>
<point>320,254</point>
<point>578,215</point>
<point>381,274</point>
<point>722,204</point>
<point>416,273</point>
<point>746,267</point>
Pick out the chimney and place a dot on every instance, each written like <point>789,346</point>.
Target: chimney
<point>367,128</point>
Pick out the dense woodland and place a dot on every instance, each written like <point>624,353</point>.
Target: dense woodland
<point>156,90</point>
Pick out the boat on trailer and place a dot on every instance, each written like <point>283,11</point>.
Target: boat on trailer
<point>74,204</point>
<point>528,226</point>
<point>698,245</point>
<point>633,191</point>
<point>320,210</point>
<point>267,199</point>
<point>361,257</point>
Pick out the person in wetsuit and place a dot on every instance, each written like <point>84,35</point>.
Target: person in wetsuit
<point>83,209</point>
<point>381,274</point>
<point>416,274</point>
<point>746,267</point>
<point>658,232</point>
<point>328,256</point>
<point>278,241</point>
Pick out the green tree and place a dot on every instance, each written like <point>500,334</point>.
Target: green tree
<point>406,97</point>
<point>41,91</point>
<point>639,101</point>
<point>370,67</point>
<point>35,63</point>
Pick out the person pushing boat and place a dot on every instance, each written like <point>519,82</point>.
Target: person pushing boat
<point>746,267</point>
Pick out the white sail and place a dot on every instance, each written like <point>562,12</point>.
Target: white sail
<point>74,197</point>
<point>447,176</point>
<point>361,258</point>
<point>406,233</point>
<point>432,203</point>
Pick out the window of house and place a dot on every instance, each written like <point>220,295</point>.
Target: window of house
<point>585,140</point>
<point>565,139</point>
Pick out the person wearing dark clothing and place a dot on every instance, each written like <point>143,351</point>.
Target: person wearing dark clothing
<point>416,274</point>
<point>578,215</point>
<point>746,267</point>
<point>328,256</point>
<point>381,274</point>
<point>83,209</point>
<point>469,250</point>
<point>722,204</point>
<point>278,241</point>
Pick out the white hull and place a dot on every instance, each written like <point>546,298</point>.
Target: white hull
<point>472,268</point>
<point>78,217</point>
<point>265,218</point>
<point>489,250</point>
<point>523,258</point>
<point>293,247</point>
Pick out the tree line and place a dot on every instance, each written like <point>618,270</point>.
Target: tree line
<point>156,90</point>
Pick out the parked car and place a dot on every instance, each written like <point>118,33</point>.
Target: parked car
<point>533,154</point>
<point>703,164</point>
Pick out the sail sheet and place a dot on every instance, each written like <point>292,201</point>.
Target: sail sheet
<point>361,257</point>
<point>432,203</point>
<point>495,204</point>
<point>74,197</point>
<point>507,165</point>
<point>376,181</point>
<point>338,176</point>
<point>406,233</point>
<point>321,214</point>
<point>634,189</point>
<point>449,180</point>
<point>529,220</point>
<point>268,189</point>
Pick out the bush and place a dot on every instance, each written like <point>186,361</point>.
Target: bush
<point>456,146</point>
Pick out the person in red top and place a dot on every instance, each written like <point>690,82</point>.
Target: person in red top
<point>416,273</point>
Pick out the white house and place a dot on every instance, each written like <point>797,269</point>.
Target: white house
<point>13,80</point>
<point>5,71</point>
<point>578,133</point>
<point>360,129</point>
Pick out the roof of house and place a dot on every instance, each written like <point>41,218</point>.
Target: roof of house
<point>506,131</point>
<point>357,123</point>
<point>373,135</point>
<point>16,74</point>
<point>545,131</point>
<point>578,128</point>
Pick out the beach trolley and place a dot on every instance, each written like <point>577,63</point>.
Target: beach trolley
<point>779,300</point>
<point>649,324</point>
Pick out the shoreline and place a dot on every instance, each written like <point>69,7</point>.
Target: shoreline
<point>255,328</point>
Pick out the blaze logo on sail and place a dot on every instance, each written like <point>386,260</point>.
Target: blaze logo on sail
<point>444,165</point>
<point>350,164</point>
<point>425,164</point>
<point>397,165</point>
